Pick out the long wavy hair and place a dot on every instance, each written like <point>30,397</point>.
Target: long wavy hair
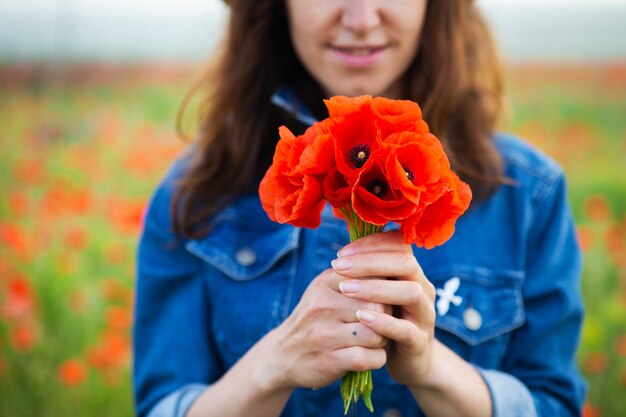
<point>456,78</point>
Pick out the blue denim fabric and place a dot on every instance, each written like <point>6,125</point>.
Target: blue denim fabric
<point>201,304</point>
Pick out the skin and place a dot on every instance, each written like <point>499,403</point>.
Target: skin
<point>316,344</point>
<point>322,29</point>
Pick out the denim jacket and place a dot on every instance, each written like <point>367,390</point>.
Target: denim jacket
<point>508,296</point>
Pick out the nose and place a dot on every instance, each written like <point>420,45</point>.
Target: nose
<point>360,15</point>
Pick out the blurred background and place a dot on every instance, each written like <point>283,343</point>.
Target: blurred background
<point>88,97</point>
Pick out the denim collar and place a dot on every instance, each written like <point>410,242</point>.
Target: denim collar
<point>285,98</point>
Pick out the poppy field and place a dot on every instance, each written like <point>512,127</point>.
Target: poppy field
<point>81,150</point>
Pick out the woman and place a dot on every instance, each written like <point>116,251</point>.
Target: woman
<point>239,316</point>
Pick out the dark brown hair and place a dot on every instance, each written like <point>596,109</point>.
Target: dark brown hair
<point>455,77</point>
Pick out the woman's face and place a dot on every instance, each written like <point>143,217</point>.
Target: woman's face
<point>356,47</point>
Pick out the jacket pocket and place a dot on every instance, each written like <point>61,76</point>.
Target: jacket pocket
<point>477,309</point>
<point>242,250</point>
<point>250,271</point>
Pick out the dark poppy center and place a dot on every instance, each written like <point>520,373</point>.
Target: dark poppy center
<point>409,174</point>
<point>378,188</point>
<point>359,154</point>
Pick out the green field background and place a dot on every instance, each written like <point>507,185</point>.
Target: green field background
<point>81,149</point>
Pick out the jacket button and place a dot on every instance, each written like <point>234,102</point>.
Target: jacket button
<point>392,412</point>
<point>245,257</point>
<point>472,319</point>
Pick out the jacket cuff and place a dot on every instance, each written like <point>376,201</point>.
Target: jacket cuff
<point>509,396</point>
<point>178,402</point>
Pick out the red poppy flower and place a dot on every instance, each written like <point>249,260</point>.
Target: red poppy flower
<point>375,161</point>
<point>72,372</point>
<point>374,156</point>
<point>356,137</point>
<point>287,195</point>
<point>415,161</point>
<point>434,224</point>
<point>337,190</point>
<point>375,199</point>
<point>398,116</point>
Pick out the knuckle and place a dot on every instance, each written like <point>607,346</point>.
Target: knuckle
<point>379,341</point>
<point>380,360</point>
<point>359,360</point>
<point>430,289</point>
<point>317,309</point>
<point>410,260</point>
<point>412,336</point>
<point>376,307</point>
<point>415,293</point>
<point>432,314</point>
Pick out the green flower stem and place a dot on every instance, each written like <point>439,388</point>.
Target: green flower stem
<point>357,384</point>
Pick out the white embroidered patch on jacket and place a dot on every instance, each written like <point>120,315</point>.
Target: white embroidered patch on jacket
<point>447,296</point>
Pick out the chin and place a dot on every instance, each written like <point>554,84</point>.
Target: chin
<point>358,90</point>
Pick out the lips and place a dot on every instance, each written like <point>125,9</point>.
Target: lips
<point>359,50</point>
<point>359,56</point>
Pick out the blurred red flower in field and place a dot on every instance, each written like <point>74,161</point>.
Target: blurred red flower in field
<point>596,362</point>
<point>30,172</point>
<point>23,337</point>
<point>78,201</point>
<point>111,352</point>
<point>112,290</point>
<point>19,300</point>
<point>13,236</point>
<point>597,208</point>
<point>76,238</point>
<point>615,244</point>
<point>72,372</point>
<point>62,198</point>
<point>585,237</point>
<point>579,136</point>
<point>590,411</point>
<point>118,318</point>
<point>4,268</point>
<point>52,202</point>
<point>115,253</point>
<point>19,203</point>
<point>126,215</point>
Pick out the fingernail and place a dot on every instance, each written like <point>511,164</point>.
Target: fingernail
<point>342,264</point>
<point>365,316</point>
<point>350,286</point>
<point>346,251</point>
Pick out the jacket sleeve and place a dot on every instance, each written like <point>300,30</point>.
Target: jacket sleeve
<point>542,353</point>
<point>174,357</point>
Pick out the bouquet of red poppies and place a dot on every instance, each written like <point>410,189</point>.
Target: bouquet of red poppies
<point>375,161</point>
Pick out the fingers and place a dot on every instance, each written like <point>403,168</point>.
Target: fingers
<point>357,334</point>
<point>377,242</point>
<point>325,300</point>
<point>358,358</point>
<point>385,264</point>
<point>408,294</point>
<point>346,335</point>
<point>396,264</point>
<point>402,331</point>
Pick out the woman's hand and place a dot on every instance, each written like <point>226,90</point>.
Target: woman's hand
<point>396,279</point>
<point>323,339</point>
